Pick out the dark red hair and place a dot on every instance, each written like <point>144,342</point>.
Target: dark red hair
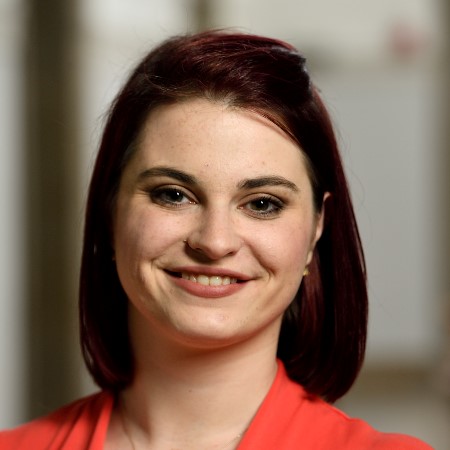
<point>323,334</point>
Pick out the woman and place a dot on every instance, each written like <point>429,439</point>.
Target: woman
<point>223,298</point>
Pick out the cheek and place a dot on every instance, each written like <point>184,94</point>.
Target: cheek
<point>138,242</point>
<point>145,233</point>
<point>284,251</point>
<point>130,236</point>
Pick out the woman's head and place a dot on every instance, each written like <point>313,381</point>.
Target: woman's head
<point>323,332</point>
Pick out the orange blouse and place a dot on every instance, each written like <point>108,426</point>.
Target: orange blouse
<point>288,419</point>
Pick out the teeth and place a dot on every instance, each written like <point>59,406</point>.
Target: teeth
<point>203,279</point>
<point>215,280</point>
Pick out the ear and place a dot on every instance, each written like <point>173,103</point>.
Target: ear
<point>319,225</point>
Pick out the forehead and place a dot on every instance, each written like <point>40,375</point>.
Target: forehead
<point>210,137</point>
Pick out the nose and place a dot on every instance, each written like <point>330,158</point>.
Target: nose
<point>215,235</point>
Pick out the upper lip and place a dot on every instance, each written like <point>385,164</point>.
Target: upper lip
<point>210,271</point>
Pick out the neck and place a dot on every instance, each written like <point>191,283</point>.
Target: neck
<point>197,398</point>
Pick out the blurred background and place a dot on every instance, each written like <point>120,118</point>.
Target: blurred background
<point>383,69</point>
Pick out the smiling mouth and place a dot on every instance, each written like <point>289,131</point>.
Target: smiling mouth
<point>206,280</point>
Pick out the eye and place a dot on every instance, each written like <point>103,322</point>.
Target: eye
<point>170,196</point>
<point>264,207</point>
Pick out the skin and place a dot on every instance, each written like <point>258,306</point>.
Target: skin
<point>215,191</point>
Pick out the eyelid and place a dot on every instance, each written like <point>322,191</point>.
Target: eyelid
<point>264,196</point>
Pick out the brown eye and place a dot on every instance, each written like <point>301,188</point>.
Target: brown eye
<point>264,207</point>
<point>261,205</point>
<point>170,196</point>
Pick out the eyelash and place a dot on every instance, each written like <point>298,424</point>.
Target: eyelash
<point>164,196</point>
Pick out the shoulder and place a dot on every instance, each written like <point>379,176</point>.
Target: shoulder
<point>289,416</point>
<point>352,433</point>
<point>77,422</point>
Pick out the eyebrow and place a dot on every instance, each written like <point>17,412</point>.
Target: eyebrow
<point>272,180</point>
<point>169,172</point>
<point>249,183</point>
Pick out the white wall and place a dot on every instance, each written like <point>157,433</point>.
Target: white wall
<point>387,120</point>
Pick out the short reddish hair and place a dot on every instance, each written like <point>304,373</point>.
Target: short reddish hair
<point>323,334</point>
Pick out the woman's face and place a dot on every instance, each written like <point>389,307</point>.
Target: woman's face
<point>214,225</point>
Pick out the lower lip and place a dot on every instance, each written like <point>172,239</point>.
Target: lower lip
<point>200,290</point>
